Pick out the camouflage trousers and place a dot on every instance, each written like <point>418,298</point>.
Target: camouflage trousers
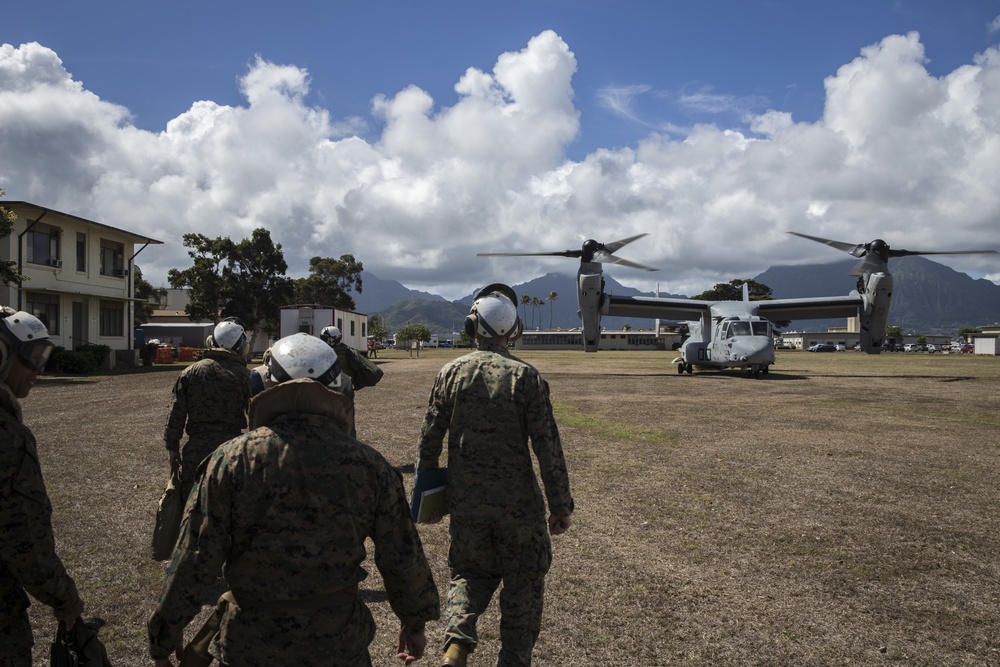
<point>193,452</point>
<point>328,637</point>
<point>481,557</point>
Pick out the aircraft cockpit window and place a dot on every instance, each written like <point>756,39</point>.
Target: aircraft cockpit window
<point>761,328</point>
<point>740,328</point>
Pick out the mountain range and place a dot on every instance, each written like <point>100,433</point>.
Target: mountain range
<point>928,298</point>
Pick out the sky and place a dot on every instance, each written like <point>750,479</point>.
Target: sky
<point>414,135</point>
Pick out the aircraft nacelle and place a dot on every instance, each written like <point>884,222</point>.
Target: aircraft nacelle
<point>874,315</point>
<point>590,288</point>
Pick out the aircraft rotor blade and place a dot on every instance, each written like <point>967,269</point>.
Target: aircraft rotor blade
<point>563,253</point>
<point>608,258</point>
<point>905,253</point>
<point>876,254</point>
<point>855,249</point>
<point>615,246</point>
<point>592,251</point>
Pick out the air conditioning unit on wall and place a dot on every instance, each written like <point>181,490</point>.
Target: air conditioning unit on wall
<point>56,263</point>
<point>121,273</point>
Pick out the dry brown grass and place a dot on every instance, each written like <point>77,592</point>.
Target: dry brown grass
<point>841,511</point>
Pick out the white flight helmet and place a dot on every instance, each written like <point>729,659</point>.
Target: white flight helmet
<point>23,335</point>
<point>494,313</point>
<point>303,356</point>
<point>229,335</point>
<point>331,335</point>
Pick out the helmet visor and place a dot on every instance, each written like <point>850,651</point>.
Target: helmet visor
<point>35,353</point>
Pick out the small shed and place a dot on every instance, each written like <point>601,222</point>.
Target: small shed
<point>987,345</point>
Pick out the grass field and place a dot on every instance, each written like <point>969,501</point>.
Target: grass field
<point>843,510</point>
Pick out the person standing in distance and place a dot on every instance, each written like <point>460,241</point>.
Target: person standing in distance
<point>490,404</point>
<point>287,508</point>
<point>210,400</point>
<point>363,373</point>
<point>28,559</point>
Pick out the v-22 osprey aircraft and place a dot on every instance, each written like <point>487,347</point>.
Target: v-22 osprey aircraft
<point>736,334</point>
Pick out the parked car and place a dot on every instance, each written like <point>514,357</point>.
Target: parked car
<point>912,347</point>
<point>931,347</point>
<point>822,347</point>
<point>841,347</point>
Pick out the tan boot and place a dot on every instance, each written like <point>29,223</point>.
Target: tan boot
<point>455,655</point>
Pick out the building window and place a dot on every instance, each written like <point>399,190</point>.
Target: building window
<point>81,251</point>
<point>43,245</point>
<point>364,330</point>
<point>352,328</point>
<point>112,318</point>
<point>112,258</point>
<point>46,308</point>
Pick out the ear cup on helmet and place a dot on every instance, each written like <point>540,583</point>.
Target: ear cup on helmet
<point>470,325</point>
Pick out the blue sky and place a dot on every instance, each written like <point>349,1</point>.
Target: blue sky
<point>359,111</point>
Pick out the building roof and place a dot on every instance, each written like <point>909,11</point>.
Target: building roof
<point>139,237</point>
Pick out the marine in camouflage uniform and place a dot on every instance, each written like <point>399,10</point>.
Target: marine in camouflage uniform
<point>28,560</point>
<point>287,508</point>
<point>210,401</point>
<point>490,404</point>
<point>362,372</point>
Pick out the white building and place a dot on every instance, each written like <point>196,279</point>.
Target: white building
<point>80,275</point>
<point>312,318</point>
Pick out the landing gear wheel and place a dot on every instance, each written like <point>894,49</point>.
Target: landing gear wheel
<point>680,368</point>
<point>765,370</point>
<point>690,369</point>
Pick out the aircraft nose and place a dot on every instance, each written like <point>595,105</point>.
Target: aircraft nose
<point>753,350</point>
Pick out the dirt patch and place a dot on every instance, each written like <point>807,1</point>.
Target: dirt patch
<point>842,510</point>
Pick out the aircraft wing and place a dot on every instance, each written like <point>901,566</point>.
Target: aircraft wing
<point>814,308</point>
<point>657,307</point>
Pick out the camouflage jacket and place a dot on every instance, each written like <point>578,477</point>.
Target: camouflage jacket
<point>210,399</point>
<point>286,508</point>
<point>28,559</point>
<point>490,404</point>
<point>363,373</point>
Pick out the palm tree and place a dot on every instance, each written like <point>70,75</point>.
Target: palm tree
<point>536,302</point>
<point>552,297</point>
<point>525,300</point>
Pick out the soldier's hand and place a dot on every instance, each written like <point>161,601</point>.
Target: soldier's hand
<point>559,524</point>
<point>178,653</point>
<point>70,618</point>
<point>411,646</point>
<point>174,457</point>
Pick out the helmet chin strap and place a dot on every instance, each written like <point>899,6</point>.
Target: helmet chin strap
<point>6,360</point>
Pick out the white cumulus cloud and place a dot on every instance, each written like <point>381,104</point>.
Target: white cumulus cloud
<point>899,154</point>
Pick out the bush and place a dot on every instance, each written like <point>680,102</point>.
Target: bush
<point>87,359</point>
<point>99,353</point>
<point>67,361</point>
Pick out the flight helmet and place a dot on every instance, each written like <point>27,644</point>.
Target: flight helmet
<point>303,356</point>
<point>24,336</point>
<point>331,335</point>
<point>494,313</point>
<point>229,335</point>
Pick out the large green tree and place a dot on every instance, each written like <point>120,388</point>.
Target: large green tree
<point>330,282</point>
<point>8,267</point>
<point>411,332</point>
<point>144,290</point>
<point>377,328</point>
<point>733,291</point>
<point>244,279</point>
